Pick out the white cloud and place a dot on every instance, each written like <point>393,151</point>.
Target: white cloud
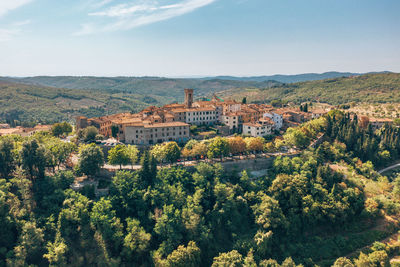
<point>7,34</point>
<point>14,29</point>
<point>127,16</point>
<point>8,5</point>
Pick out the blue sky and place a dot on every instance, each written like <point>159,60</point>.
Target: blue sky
<point>197,37</point>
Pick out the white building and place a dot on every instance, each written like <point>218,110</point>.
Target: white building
<point>276,118</point>
<point>148,134</point>
<point>232,120</point>
<point>256,129</point>
<point>199,116</point>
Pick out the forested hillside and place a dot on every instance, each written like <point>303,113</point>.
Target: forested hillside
<point>320,208</point>
<point>164,87</point>
<point>371,88</point>
<point>21,103</point>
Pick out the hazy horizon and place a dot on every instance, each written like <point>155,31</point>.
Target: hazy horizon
<point>201,76</point>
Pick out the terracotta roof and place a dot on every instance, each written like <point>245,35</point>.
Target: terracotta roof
<point>201,109</point>
<point>319,111</point>
<point>253,124</point>
<point>269,120</point>
<point>167,124</point>
<point>10,131</point>
<point>179,110</point>
<point>380,120</point>
<point>43,127</point>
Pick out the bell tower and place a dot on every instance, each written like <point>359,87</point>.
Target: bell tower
<point>188,98</point>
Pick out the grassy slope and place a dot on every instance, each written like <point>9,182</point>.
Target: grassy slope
<point>46,104</point>
<point>372,88</point>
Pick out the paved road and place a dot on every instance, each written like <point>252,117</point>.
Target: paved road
<point>397,165</point>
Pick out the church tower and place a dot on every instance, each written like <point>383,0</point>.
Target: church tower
<point>188,98</point>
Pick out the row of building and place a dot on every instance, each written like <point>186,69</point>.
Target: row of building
<point>172,122</point>
<point>5,129</point>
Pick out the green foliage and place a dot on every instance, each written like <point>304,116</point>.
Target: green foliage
<point>184,256</point>
<point>343,262</point>
<point>91,159</point>
<point>232,258</point>
<point>103,220</point>
<point>172,152</point>
<point>119,155</point>
<point>89,134</point>
<point>30,247</point>
<point>114,131</point>
<point>7,157</point>
<point>133,153</point>
<point>370,88</point>
<point>296,137</point>
<point>218,148</point>
<point>33,157</point>
<point>168,152</point>
<point>304,208</point>
<point>136,242</point>
<point>61,128</point>
<point>379,147</point>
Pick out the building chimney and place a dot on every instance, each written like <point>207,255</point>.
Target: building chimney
<point>188,98</point>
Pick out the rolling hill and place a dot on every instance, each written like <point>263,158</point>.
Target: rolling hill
<point>167,88</point>
<point>293,78</point>
<point>22,103</point>
<point>52,99</point>
<point>371,88</point>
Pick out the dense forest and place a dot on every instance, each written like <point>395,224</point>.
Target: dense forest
<point>316,208</point>
<point>369,88</point>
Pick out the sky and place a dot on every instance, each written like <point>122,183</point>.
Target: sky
<point>186,38</point>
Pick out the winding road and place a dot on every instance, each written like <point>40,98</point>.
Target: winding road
<point>394,166</point>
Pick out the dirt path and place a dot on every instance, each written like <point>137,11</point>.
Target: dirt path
<point>382,225</point>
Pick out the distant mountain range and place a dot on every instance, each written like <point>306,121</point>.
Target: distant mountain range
<point>293,78</point>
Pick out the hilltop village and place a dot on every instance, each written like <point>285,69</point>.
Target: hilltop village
<point>172,122</point>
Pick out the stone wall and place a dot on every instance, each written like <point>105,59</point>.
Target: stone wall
<point>248,164</point>
<point>232,166</point>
